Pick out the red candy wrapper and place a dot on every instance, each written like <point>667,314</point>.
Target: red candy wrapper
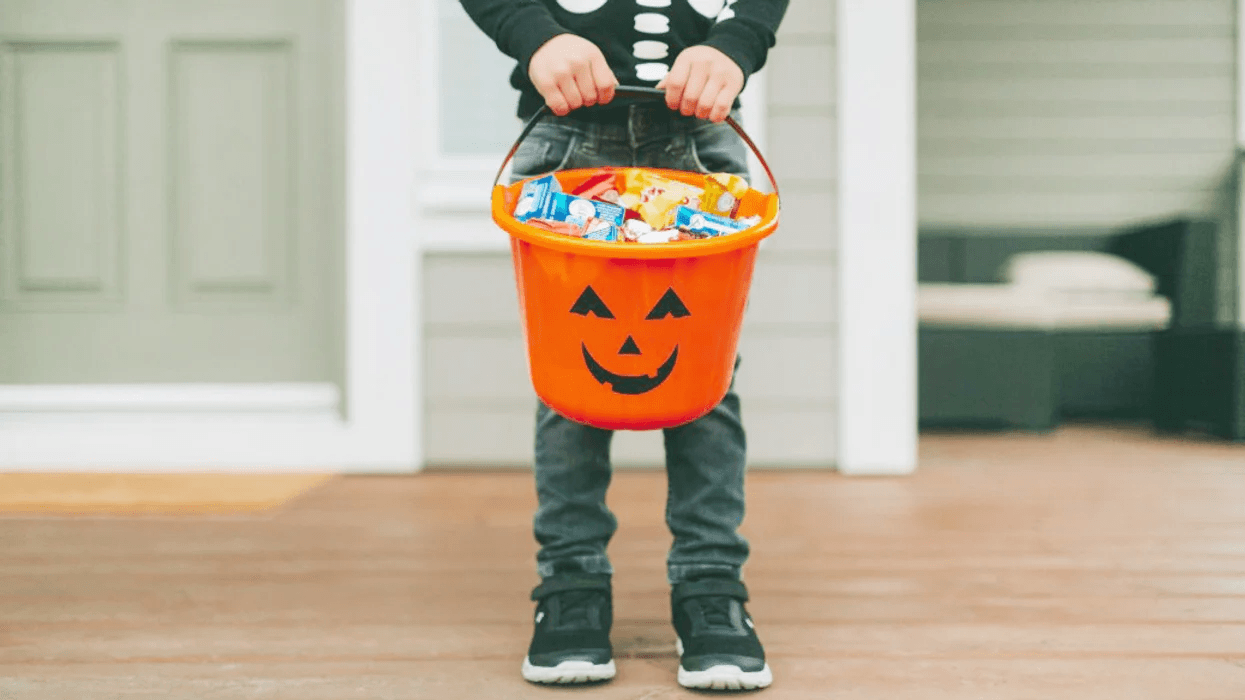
<point>596,186</point>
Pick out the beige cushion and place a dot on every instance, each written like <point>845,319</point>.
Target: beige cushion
<point>1077,273</point>
<point>1011,306</point>
<point>982,306</point>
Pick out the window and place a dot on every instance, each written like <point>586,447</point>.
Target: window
<point>476,105</point>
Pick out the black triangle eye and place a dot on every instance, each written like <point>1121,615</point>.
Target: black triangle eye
<point>669,305</point>
<point>590,303</point>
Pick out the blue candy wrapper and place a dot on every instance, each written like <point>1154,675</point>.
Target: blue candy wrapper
<point>534,197</point>
<point>600,230</point>
<point>702,222</point>
<point>566,207</point>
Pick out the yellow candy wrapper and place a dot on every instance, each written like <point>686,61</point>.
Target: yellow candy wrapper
<point>656,198</point>
<point>722,194</point>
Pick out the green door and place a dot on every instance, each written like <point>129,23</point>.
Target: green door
<point>170,180</point>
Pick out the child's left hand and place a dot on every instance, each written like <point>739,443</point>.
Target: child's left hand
<point>704,82</point>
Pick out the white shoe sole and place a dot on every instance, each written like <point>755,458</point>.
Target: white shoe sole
<point>725,677</point>
<point>568,672</point>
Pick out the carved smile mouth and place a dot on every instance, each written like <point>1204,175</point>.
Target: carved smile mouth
<point>627,384</point>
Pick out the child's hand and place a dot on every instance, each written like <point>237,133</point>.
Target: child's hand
<point>570,72</point>
<point>704,82</point>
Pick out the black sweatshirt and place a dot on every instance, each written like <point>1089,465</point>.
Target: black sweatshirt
<point>640,38</point>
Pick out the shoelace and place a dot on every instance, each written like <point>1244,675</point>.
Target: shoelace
<point>575,607</point>
<point>716,611</point>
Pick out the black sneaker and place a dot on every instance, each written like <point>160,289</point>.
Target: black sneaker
<point>571,643</point>
<point>718,647</point>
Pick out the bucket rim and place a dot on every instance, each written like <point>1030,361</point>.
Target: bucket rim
<point>632,251</point>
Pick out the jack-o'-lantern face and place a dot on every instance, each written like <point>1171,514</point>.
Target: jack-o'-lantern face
<point>668,306</point>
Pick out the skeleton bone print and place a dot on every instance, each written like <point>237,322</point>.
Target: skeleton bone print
<point>650,19</point>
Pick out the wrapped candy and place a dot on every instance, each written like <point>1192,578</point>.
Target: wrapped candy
<point>564,207</point>
<point>534,197</point>
<point>597,186</point>
<point>662,236</point>
<point>656,198</point>
<point>723,193</point>
<point>600,230</point>
<point>590,229</point>
<point>702,222</point>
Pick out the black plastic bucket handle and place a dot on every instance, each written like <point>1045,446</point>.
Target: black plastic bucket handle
<point>626,91</point>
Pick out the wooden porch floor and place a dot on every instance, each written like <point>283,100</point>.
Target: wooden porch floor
<point>1094,563</point>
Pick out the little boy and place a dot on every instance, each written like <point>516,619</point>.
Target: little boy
<point>571,56</point>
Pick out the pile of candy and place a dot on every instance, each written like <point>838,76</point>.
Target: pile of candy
<point>636,206</point>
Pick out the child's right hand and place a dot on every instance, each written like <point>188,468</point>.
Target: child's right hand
<point>570,72</point>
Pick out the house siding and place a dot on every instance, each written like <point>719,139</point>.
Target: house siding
<point>1073,112</point>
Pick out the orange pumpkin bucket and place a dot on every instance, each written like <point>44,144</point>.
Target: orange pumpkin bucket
<point>632,336</point>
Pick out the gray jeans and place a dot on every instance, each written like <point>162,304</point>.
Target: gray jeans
<point>705,459</point>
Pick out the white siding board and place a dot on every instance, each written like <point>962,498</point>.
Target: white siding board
<point>503,437</point>
<point>1075,127</point>
<point>1088,89</point>
<point>1073,112</point>
<point>790,438</point>
<point>1074,32</point>
<point>480,437</point>
<point>1052,210</point>
<point>817,86</point>
<point>1185,165</point>
<point>1071,71</point>
<point>1111,15</point>
<point>476,369</point>
<point>1057,108</point>
<point>950,148</point>
<point>807,17</point>
<point>801,147</point>
<point>806,224</point>
<point>792,290</point>
<point>1115,49</point>
<point>470,289</point>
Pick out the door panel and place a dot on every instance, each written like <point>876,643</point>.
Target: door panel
<point>169,191</point>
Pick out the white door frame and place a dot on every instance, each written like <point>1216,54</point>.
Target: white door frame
<point>285,427</point>
<point>877,414</point>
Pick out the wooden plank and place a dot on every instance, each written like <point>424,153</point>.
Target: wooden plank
<point>1091,563</point>
<point>646,669</point>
